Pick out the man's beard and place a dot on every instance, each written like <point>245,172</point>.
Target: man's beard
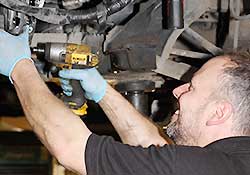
<point>183,133</point>
<point>173,132</point>
<point>178,134</point>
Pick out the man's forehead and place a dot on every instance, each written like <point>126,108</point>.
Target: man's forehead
<point>213,66</point>
<point>216,63</point>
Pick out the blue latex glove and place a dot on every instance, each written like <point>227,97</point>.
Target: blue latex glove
<point>13,49</point>
<point>91,81</point>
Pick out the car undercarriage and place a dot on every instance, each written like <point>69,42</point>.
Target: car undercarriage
<point>143,46</point>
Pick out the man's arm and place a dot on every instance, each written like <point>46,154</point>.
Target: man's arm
<point>133,128</point>
<point>62,132</point>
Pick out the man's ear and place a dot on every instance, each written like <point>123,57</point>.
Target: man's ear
<point>222,113</point>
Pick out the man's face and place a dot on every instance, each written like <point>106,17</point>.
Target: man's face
<point>188,122</point>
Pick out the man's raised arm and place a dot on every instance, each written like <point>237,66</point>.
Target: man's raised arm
<point>133,128</point>
<point>62,132</point>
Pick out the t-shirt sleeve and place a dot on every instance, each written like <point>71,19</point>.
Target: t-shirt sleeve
<point>104,156</point>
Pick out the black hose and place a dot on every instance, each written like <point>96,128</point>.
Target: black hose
<point>117,5</point>
<point>62,16</point>
<point>82,15</point>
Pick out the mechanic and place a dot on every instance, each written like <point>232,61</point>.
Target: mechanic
<point>212,125</point>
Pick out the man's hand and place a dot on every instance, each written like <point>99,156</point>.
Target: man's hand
<point>12,50</point>
<point>92,82</point>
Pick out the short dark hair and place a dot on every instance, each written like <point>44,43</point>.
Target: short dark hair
<point>236,87</point>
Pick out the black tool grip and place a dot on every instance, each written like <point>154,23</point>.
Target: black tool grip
<point>77,99</point>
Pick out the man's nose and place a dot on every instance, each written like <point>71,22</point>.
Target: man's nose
<point>177,92</point>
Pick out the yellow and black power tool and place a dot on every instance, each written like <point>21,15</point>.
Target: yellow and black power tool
<point>69,56</point>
